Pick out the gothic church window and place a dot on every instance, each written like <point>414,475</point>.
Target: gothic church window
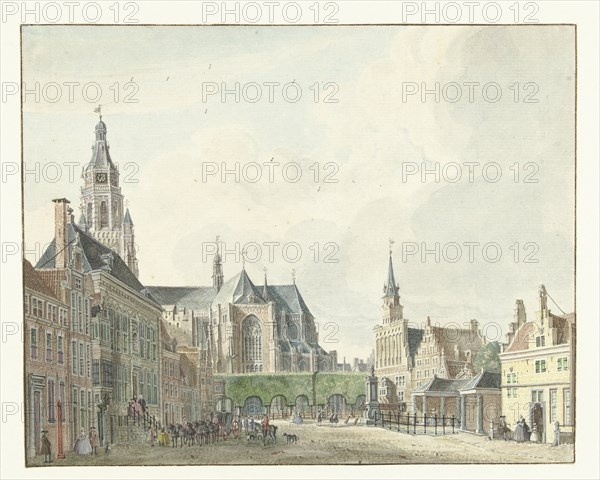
<point>252,350</point>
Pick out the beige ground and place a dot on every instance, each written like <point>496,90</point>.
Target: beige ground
<point>334,445</point>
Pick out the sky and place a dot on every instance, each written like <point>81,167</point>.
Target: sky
<point>375,132</point>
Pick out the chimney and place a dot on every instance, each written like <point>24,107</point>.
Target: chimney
<point>61,218</point>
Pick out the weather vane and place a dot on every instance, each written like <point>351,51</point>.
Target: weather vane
<point>98,110</point>
<point>391,242</point>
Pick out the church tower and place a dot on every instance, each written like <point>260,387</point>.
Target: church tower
<point>217,276</point>
<point>391,310</point>
<point>102,203</point>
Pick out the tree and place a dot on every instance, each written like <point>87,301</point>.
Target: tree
<point>488,358</point>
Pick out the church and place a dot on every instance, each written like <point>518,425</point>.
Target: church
<point>248,328</point>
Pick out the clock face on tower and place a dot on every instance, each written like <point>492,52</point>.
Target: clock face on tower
<point>101,178</point>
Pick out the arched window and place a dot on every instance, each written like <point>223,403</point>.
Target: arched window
<point>292,331</point>
<point>252,353</point>
<point>115,214</point>
<point>88,218</point>
<point>103,215</point>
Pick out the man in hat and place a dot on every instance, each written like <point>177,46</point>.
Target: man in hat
<point>46,449</point>
<point>94,442</point>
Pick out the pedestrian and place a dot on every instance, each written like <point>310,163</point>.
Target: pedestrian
<point>246,424</point>
<point>519,435</point>
<point>94,442</point>
<point>151,435</point>
<point>534,434</point>
<point>251,424</point>
<point>46,449</point>
<point>82,445</point>
<point>265,425</point>
<point>556,441</point>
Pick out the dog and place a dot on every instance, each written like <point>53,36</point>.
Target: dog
<point>107,449</point>
<point>291,438</point>
<point>251,437</point>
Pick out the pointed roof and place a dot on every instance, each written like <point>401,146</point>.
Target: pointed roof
<point>95,257</point>
<point>391,288</point>
<point>239,289</point>
<point>127,220</point>
<point>34,281</point>
<point>100,150</point>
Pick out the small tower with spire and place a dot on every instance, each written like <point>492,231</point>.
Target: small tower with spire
<point>265,292</point>
<point>392,311</point>
<point>129,244</point>
<point>217,276</point>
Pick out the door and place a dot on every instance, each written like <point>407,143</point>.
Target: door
<point>37,427</point>
<point>537,419</point>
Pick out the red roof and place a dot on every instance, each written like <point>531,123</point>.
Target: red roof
<point>33,281</point>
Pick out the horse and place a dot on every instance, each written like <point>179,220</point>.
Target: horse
<point>271,435</point>
<point>174,433</point>
<point>189,434</point>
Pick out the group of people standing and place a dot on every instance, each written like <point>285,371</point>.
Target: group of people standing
<point>87,444</point>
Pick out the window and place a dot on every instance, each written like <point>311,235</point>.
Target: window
<point>26,304</point>
<point>252,346</point>
<point>553,405</point>
<point>511,377</point>
<point>142,341</point>
<point>567,405</point>
<point>33,342</point>
<point>540,341</point>
<point>52,313</point>
<point>81,354</point>
<point>78,283</point>
<point>96,372</point>
<point>80,312</point>
<point>63,316</point>
<point>48,347</point>
<point>537,396</point>
<point>400,381</point>
<point>74,357</point>
<point>87,316</point>
<point>155,388</point>
<point>50,396</point>
<point>60,349</point>
<point>509,392</point>
<point>73,311</point>
<point>37,307</point>
<point>401,396</point>
<point>563,366</point>
<point>540,366</point>
<point>88,359</point>
<point>106,374</point>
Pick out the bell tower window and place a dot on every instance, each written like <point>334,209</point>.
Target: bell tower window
<point>103,215</point>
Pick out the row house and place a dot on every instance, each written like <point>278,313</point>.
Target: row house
<point>46,344</point>
<point>124,326</point>
<point>538,371</point>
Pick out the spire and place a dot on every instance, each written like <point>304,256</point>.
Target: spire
<point>217,269</point>
<point>294,276</point>
<point>127,220</point>
<point>265,294</point>
<point>391,287</point>
<point>82,223</point>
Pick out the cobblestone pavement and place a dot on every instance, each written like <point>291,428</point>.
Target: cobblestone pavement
<point>333,445</point>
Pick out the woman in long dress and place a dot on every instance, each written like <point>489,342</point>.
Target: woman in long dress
<point>519,434</point>
<point>83,445</point>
